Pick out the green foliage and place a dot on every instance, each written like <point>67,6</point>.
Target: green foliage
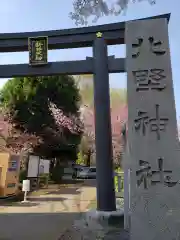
<point>120,172</point>
<point>44,178</point>
<point>22,175</point>
<point>80,159</point>
<point>85,144</point>
<point>27,102</point>
<point>86,148</point>
<point>28,99</point>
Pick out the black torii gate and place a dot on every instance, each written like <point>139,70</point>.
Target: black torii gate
<point>100,65</point>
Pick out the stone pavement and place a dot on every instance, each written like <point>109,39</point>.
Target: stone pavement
<point>46,216</point>
<point>83,231</point>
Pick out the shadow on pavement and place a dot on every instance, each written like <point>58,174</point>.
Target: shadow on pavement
<point>35,226</point>
<point>32,201</point>
<point>46,199</point>
<point>72,181</point>
<point>66,187</point>
<point>80,182</point>
<point>66,190</point>
<point>19,204</point>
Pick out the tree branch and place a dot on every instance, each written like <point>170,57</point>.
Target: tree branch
<point>84,9</point>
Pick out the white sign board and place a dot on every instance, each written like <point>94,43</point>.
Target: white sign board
<point>26,186</point>
<point>33,166</point>
<point>44,166</point>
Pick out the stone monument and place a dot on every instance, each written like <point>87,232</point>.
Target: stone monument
<point>152,133</point>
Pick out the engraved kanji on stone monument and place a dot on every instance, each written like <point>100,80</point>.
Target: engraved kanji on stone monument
<point>165,176</point>
<point>153,79</point>
<point>155,46</point>
<point>154,149</point>
<point>137,45</point>
<point>144,173</point>
<point>148,177</point>
<point>141,122</point>
<point>156,124</point>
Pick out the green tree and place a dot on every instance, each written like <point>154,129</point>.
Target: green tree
<point>118,100</point>
<point>87,147</point>
<point>84,9</point>
<point>28,104</point>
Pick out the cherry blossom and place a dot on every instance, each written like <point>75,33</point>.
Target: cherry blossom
<point>72,123</point>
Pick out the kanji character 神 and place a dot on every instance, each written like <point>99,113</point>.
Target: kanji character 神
<point>155,124</point>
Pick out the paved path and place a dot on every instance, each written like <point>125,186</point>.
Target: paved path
<point>46,216</point>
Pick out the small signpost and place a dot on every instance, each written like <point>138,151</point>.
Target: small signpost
<point>38,50</point>
<point>25,189</point>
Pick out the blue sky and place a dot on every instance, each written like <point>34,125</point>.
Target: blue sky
<point>31,15</point>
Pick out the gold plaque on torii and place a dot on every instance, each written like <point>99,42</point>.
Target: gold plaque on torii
<point>38,50</point>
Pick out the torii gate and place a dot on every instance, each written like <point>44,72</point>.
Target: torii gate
<point>100,65</point>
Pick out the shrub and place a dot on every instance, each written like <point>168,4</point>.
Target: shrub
<point>22,175</point>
